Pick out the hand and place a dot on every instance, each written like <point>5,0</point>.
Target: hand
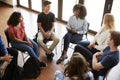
<point>7,57</point>
<point>90,46</point>
<point>29,44</point>
<point>98,55</point>
<point>45,35</point>
<point>48,35</point>
<point>72,31</point>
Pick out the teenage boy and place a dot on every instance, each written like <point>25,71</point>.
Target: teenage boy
<point>103,61</point>
<point>45,22</point>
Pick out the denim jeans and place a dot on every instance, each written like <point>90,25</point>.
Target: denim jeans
<point>82,48</point>
<point>73,38</point>
<point>23,47</point>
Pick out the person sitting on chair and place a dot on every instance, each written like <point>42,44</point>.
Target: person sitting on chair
<point>45,22</point>
<point>77,69</point>
<point>99,41</point>
<point>9,55</point>
<point>109,57</point>
<point>76,27</point>
<point>19,39</point>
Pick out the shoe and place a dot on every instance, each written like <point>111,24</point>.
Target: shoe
<point>42,65</point>
<point>61,59</point>
<point>50,57</point>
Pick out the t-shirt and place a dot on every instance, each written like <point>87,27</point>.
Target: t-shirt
<point>19,33</point>
<point>108,60</point>
<point>46,20</point>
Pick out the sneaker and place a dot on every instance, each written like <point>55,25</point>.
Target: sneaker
<point>50,57</point>
<point>43,65</point>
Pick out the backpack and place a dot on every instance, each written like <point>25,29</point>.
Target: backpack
<point>31,68</point>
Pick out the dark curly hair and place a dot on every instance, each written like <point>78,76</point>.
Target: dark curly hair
<point>14,19</point>
<point>82,9</point>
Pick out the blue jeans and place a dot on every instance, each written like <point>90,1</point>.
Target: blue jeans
<point>82,48</point>
<point>73,38</point>
<point>23,47</point>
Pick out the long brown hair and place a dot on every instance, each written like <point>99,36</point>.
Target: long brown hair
<point>76,67</point>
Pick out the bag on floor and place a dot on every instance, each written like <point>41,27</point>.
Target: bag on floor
<point>31,68</point>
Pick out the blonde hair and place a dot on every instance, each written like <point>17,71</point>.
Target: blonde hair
<point>76,67</point>
<point>108,21</point>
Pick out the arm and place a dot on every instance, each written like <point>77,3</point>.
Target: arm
<point>42,30</point>
<point>52,29</point>
<point>27,41</point>
<point>71,31</point>
<point>13,38</point>
<point>4,51</point>
<point>69,28</point>
<point>95,64</point>
<point>6,57</point>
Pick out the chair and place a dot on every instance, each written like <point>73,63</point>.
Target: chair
<point>9,45</point>
<point>73,44</point>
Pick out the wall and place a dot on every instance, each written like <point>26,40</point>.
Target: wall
<point>10,2</point>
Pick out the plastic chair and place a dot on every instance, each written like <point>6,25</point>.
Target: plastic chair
<point>9,45</point>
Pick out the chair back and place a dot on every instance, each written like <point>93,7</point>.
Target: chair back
<point>88,24</point>
<point>7,36</point>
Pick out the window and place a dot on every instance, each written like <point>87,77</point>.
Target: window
<point>68,9</point>
<point>24,3</point>
<point>95,10</point>
<point>54,7</point>
<point>37,5</point>
<point>116,12</point>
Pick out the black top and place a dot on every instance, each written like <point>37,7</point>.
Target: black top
<point>46,20</point>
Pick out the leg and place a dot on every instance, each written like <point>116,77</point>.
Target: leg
<point>75,38</point>
<point>41,43</point>
<point>24,47</point>
<point>84,51</point>
<point>95,74</point>
<point>35,47</point>
<point>84,43</point>
<point>67,39</point>
<point>55,42</point>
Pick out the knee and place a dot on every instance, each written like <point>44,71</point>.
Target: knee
<point>39,41</point>
<point>67,36</point>
<point>76,48</point>
<point>56,40</point>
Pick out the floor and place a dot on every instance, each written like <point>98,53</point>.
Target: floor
<point>30,19</point>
